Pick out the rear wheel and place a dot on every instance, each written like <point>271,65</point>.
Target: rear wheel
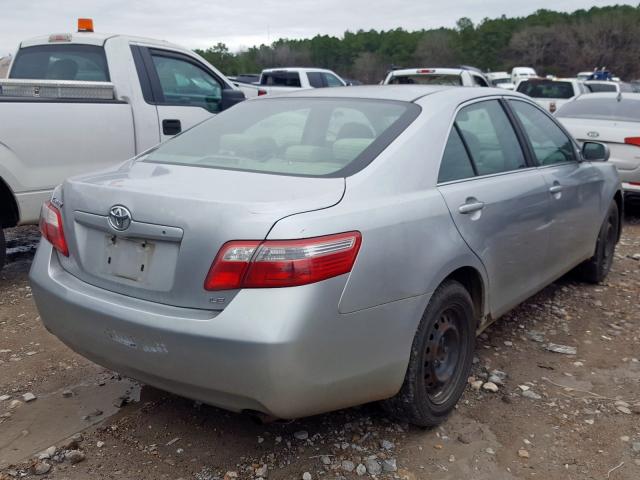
<point>440,361</point>
<point>3,249</point>
<point>597,268</point>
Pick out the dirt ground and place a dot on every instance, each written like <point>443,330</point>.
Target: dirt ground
<point>556,416</point>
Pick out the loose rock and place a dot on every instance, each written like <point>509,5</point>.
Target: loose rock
<point>522,453</point>
<point>373,467</point>
<point>390,465</point>
<point>301,435</point>
<point>74,456</point>
<point>306,476</point>
<point>490,387</point>
<point>41,468</point>
<point>28,397</point>
<point>387,445</point>
<point>348,466</point>
<point>564,349</point>
<point>361,470</point>
<point>530,394</point>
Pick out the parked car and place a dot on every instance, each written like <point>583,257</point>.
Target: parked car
<point>613,119</point>
<point>522,73</point>
<point>551,94</point>
<point>276,81</point>
<point>461,77</point>
<point>598,86</point>
<point>78,102</point>
<point>501,80</point>
<point>316,250</point>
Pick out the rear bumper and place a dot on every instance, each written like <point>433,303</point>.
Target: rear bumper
<point>284,352</point>
<point>631,192</point>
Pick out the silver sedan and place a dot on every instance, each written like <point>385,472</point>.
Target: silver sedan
<point>318,250</point>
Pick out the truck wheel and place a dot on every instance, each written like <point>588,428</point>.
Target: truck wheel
<point>440,361</point>
<point>3,250</point>
<point>596,269</point>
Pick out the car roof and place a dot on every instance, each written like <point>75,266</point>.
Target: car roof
<point>611,95</point>
<point>404,93</point>
<point>93,38</point>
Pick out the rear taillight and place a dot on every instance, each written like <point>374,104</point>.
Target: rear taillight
<point>282,263</point>
<point>51,227</point>
<point>632,141</point>
<point>261,92</point>
<point>552,107</point>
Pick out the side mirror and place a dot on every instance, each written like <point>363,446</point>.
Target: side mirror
<point>595,152</point>
<point>230,97</point>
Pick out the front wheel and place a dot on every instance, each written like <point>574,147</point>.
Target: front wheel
<point>440,360</point>
<point>596,269</point>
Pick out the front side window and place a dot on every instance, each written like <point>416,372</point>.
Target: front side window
<point>549,142</point>
<point>184,83</point>
<point>61,62</point>
<point>456,164</point>
<point>331,80</point>
<point>315,79</point>
<point>492,142</point>
<point>479,81</point>
<point>317,137</point>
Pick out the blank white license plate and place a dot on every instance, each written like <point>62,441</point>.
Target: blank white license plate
<point>128,258</point>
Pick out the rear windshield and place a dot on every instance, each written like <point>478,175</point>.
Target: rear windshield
<point>317,137</point>
<point>601,87</point>
<point>625,110</point>
<point>426,79</point>
<point>281,79</point>
<point>498,81</point>
<point>61,62</point>
<point>546,89</point>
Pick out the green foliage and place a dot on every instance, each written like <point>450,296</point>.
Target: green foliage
<point>552,42</point>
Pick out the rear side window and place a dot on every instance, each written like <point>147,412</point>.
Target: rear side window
<point>426,79</point>
<point>456,164</point>
<point>315,79</point>
<point>281,79</point>
<point>331,80</point>
<point>479,81</point>
<point>625,110</point>
<point>550,144</point>
<point>546,89</point>
<point>61,62</point>
<point>601,87</point>
<point>317,137</point>
<point>489,135</point>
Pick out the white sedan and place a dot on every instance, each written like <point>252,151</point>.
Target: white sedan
<point>614,119</point>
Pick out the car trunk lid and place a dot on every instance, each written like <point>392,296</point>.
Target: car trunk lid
<point>180,216</point>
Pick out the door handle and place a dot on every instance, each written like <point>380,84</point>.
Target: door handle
<point>555,189</point>
<point>171,127</point>
<point>471,207</point>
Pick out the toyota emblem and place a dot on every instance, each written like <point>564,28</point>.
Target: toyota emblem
<point>119,217</point>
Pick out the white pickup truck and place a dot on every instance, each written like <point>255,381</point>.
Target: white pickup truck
<point>280,80</point>
<point>74,103</point>
<point>461,77</point>
<point>551,94</point>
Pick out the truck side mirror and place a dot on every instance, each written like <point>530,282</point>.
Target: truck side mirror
<point>230,97</point>
<point>595,152</point>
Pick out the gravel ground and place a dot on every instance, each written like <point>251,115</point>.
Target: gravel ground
<point>552,416</point>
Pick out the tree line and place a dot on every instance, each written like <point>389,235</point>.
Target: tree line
<point>555,43</point>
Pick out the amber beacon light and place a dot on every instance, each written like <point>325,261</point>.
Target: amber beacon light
<point>85,25</point>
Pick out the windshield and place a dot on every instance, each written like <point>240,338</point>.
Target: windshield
<point>427,79</point>
<point>61,62</point>
<point>601,87</point>
<point>625,110</point>
<point>546,89</point>
<point>319,137</point>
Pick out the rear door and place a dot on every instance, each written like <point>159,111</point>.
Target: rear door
<point>497,201</point>
<point>184,91</point>
<point>574,188</point>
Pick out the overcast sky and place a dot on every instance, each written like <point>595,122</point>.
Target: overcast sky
<point>243,23</point>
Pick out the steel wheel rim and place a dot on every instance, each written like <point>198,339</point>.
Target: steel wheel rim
<point>444,355</point>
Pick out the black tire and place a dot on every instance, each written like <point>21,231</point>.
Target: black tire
<point>440,361</point>
<point>3,249</point>
<point>596,269</point>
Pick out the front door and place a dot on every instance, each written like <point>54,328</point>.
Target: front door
<point>497,201</point>
<point>574,189</point>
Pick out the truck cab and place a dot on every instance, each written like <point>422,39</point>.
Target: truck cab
<point>73,103</point>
